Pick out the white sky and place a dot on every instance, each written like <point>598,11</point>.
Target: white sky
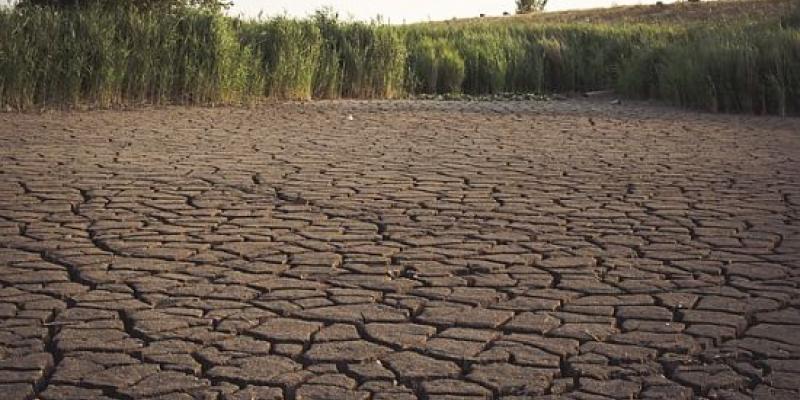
<point>398,11</point>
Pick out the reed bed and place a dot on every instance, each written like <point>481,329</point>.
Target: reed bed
<point>106,58</point>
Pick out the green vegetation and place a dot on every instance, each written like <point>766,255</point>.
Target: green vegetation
<point>141,4</point>
<point>107,57</point>
<point>528,6</point>
<point>50,56</point>
<point>437,65</point>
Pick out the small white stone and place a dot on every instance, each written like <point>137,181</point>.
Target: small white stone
<point>350,117</point>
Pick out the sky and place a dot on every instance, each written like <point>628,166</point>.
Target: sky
<point>399,11</point>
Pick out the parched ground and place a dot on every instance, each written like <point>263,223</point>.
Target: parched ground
<point>421,250</point>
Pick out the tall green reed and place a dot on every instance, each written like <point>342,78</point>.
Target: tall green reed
<point>110,57</point>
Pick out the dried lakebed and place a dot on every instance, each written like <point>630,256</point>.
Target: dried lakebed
<point>419,250</point>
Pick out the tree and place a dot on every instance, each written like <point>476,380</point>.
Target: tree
<point>211,4</point>
<point>529,6</point>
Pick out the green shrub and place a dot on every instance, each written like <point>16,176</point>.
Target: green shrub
<point>792,19</point>
<point>554,66</point>
<point>485,62</point>
<point>289,52</point>
<point>424,63</point>
<point>451,69</point>
<point>373,61</point>
<point>436,65</point>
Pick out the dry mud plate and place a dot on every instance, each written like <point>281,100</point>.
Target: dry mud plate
<point>418,251</point>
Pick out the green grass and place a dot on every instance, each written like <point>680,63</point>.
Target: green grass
<point>753,70</point>
<point>436,66</point>
<point>52,57</point>
<point>91,56</point>
<point>287,52</point>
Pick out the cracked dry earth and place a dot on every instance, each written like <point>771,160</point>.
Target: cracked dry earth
<point>422,250</point>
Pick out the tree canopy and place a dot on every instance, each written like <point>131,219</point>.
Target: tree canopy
<point>214,4</point>
<point>528,6</point>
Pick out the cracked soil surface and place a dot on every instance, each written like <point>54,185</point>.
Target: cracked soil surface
<point>421,250</point>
